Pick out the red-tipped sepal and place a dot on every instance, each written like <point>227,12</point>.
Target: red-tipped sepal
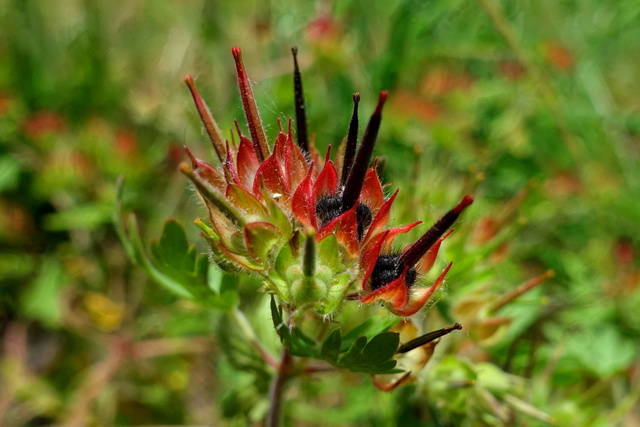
<point>420,296</point>
<point>381,218</point>
<point>396,293</point>
<point>427,261</point>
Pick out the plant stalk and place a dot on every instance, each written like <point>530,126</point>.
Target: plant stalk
<point>244,325</point>
<point>277,388</point>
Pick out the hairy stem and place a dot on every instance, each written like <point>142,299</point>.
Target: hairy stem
<point>277,388</point>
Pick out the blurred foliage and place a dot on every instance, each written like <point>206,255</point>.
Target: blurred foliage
<point>532,106</point>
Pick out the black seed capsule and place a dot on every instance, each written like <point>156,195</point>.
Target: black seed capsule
<point>330,207</point>
<point>390,267</point>
<point>387,269</point>
<point>363,219</point>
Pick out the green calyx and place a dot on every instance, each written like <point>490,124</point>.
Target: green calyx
<point>309,273</point>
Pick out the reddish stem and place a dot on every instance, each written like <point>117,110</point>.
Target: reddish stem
<point>277,388</point>
<point>525,287</point>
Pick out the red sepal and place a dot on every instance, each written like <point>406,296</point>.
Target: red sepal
<point>348,231</point>
<point>369,256</point>
<point>247,163</point>
<point>326,182</point>
<point>372,194</point>
<point>395,293</point>
<point>229,167</point>
<point>302,202</point>
<point>427,261</point>
<point>420,296</point>
<point>270,175</point>
<point>381,218</point>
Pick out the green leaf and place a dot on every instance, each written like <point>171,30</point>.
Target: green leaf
<point>135,248</point>
<point>382,347</point>
<point>240,353</point>
<point>175,264</point>
<point>295,340</point>
<point>301,345</point>
<point>9,173</point>
<point>223,285</point>
<point>602,350</point>
<point>352,358</point>
<point>278,324</point>
<point>369,328</point>
<point>41,300</point>
<point>172,252</point>
<point>173,256</point>
<point>374,357</point>
<point>331,347</point>
<point>89,216</point>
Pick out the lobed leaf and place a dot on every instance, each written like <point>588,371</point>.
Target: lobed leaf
<point>369,328</point>
<point>175,264</point>
<point>331,347</point>
<point>372,357</point>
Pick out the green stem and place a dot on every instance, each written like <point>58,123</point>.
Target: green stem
<point>244,325</point>
<point>277,388</point>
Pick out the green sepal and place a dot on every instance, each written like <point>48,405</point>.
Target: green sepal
<point>278,285</point>
<point>245,201</point>
<point>300,288</point>
<point>276,216</point>
<point>225,255</point>
<point>307,290</point>
<point>329,253</point>
<point>213,196</point>
<point>284,260</point>
<point>335,294</point>
<point>209,233</point>
<point>260,239</point>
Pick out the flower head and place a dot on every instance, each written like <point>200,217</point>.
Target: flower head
<point>390,276</point>
<point>309,227</point>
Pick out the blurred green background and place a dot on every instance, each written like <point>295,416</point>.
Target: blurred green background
<point>530,105</point>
